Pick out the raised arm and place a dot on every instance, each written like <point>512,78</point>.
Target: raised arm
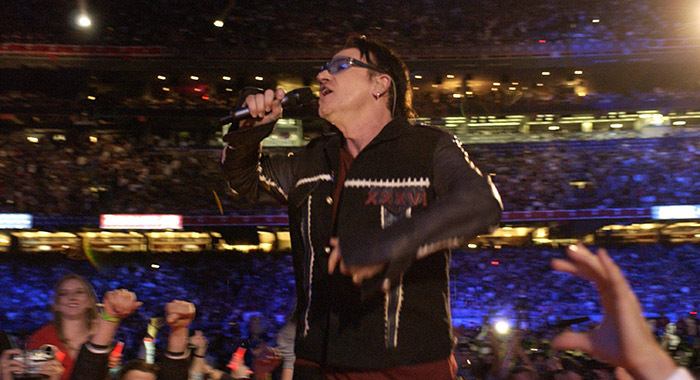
<point>247,170</point>
<point>178,315</point>
<point>623,339</point>
<point>92,362</point>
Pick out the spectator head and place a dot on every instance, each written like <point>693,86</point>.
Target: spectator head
<point>138,369</point>
<point>383,58</point>
<point>74,298</point>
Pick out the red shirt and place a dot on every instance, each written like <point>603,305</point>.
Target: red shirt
<point>48,335</point>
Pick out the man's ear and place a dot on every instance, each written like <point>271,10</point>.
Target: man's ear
<point>382,84</point>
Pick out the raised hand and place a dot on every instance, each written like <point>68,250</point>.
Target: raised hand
<point>120,303</point>
<point>623,338</point>
<point>179,313</point>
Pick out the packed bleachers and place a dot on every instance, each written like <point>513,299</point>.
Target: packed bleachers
<point>121,173</point>
<point>252,29</point>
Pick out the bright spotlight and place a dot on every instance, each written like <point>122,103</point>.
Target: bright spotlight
<point>83,20</point>
<point>219,24</point>
<point>502,327</point>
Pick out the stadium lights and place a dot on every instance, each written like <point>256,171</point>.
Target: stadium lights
<point>194,77</point>
<point>83,20</point>
<point>259,78</point>
<point>219,24</point>
<point>162,77</point>
<point>502,327</point>
<point>225,77</point>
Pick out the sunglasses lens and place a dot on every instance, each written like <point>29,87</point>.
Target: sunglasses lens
<point>336,65</point>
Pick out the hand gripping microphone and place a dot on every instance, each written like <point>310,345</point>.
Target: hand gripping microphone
<point>298,97</point>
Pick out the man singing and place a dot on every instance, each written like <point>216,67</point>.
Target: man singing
<point>373,212</point>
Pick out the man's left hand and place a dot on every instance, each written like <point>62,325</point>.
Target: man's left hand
<point>358,273</point>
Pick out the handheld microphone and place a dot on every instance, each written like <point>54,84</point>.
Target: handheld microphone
<point>300,96</point>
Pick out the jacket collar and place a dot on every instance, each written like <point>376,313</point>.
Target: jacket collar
<point>390,131</point>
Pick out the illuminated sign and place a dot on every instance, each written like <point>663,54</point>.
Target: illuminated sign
<point>676,212</point>
<point>131,221</point>
<point>15,221</point>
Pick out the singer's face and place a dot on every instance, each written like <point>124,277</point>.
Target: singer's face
<point>346,93</point>
<point>72,299</point>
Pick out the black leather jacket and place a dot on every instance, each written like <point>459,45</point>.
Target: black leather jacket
<point>409,196</point>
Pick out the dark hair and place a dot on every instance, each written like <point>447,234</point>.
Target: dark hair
<point>386,60</point>
<point>138,365</point>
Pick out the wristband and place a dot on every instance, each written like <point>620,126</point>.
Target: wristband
<point>108,318</point>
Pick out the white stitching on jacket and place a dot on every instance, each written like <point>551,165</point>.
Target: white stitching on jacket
<point>405,182</point>
<point>311,266</point>
<point>316,178</point>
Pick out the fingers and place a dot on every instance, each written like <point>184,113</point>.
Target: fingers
<point>359,274</point>
<point>582,264</point>
<point>10,365</point>
<point>622,374</point>
<point>573,341</point>
<point>561,265</point>
<point>179,313</point>
<point>120,303</point>
<point>51,368</point>
<point>266,104</point>
<point>334,257</point>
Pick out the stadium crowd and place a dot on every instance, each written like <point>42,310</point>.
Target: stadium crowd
<point>441,103</point>
<point>231,292</point>
<point>120,173</point>
<point>418,27</point>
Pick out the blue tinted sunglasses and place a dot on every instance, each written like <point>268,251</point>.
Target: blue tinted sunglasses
<point>341,63</point>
